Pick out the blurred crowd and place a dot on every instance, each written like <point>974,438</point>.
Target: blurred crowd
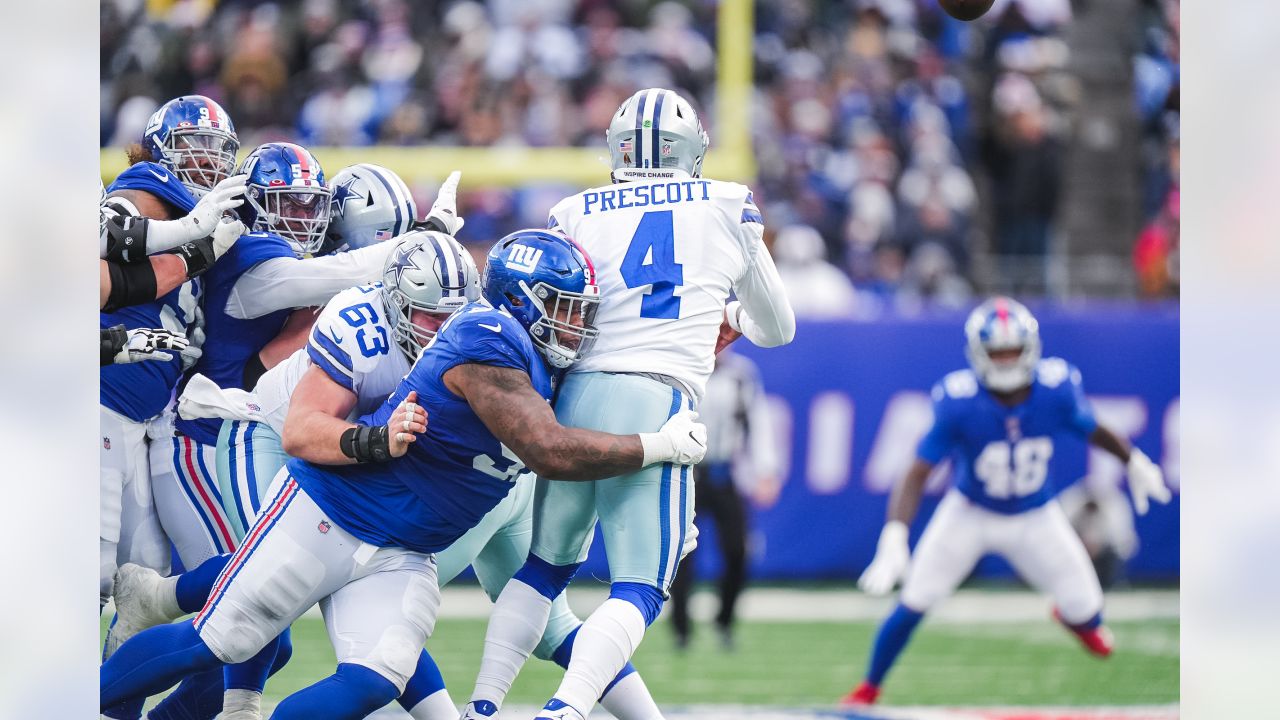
<point>872,119</point>
<point>1156,80</point>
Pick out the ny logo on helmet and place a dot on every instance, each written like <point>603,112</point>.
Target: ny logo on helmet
<point>524,258</point>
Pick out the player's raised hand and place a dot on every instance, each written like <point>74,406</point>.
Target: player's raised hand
<point>1146,482</point>
<point>681,440</point>
<point>406,422</point>
<point>890,563</point>
<point>150,344</point>
<point>444,212</point>
<point>225,196</point>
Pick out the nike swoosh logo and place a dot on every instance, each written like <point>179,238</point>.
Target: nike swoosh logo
<point>495,328</point>
<point>336,338</point>
<point>158,176</point>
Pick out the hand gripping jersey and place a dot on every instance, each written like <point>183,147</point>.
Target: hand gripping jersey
<point>231,342</point>
<point>666,253</point>
<point>351,342</point>
<point>457,471</point>
<point>139,391</point>
<point>1002,455</point>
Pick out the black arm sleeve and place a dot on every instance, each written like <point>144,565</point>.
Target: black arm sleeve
<point>130,285</point>
<point>113,341</point>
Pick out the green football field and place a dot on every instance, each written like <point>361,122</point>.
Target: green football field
<point>808,664</point>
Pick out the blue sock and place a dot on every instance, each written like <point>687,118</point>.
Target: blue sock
<point>565,651</point>
<point>425,682</point>
<point>153,661</point>
<point>252,673</point>
<point>892,637</point>
<point>352,692</point>
<point>549,580</point>
<point>646,598</point>
<point>199,697</point>
<point>194,586</point>
<point>129,710</point>
<point>1087,625</point>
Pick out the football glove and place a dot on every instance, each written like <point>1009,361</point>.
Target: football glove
<point>1146,482</point>
<point>150,344</point>
<point>681,440</point>
<point>443,216</point>
<point>890,563</point>
<point>224,197</point>
<point>225,235</point>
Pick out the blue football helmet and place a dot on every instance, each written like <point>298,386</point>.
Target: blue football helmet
<point>286,195</point>
<point>1002,325</point>
<point>193,137</point>
<point>548,284</point>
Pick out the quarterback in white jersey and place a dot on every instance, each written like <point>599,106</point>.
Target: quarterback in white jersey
<point>668,247</point>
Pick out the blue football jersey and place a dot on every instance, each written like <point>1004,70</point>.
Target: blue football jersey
<point>231,342</point>
<point>139,391</point>
<point>1002,456</point>
<point>457,471</point>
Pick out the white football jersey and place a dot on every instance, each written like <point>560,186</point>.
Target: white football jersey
<point>351,342</point>
<point>667,253</point>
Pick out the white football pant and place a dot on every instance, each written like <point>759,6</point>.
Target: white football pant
<point>129,531</point>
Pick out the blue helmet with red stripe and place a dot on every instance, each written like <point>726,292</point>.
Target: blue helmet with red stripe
<point>286,195</point>
<point>193,137</point>
<point>546,282</point>
<point>426,278</point>
<point>1003,344</point>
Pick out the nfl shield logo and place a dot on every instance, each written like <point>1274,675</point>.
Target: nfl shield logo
<point>106,443</point>
<point>666,149</point>
<point>323,527</point>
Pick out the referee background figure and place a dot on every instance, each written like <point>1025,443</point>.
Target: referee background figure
<point>741,458</point>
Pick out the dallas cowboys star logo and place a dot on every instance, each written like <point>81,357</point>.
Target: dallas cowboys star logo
<point>341,194</point>
<point>405,258</point>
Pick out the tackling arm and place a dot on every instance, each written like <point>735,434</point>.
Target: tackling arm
<point>521,419</point>
<point>316,430</point>
<point>284,282</point>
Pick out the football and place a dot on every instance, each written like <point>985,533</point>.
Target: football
<point>965,9</point>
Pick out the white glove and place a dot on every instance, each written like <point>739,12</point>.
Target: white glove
<point>195,341</point>
<point>445,210</point>
<point>681,440</point>
<point>226,195</point>
<point>225,235</point>
<point>891,560</point>
<point>1146,482</point>
<point>690,540</point>
<point>150,344</point>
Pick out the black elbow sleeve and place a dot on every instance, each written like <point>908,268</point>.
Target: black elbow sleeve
<point>130,285</point>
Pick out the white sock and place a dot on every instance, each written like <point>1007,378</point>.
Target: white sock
<point>241,705</point>
<point>518,620</point>
<point>629,699</point>
<point>436,706</point>
<point>603,646</point>
<point>166,598</point>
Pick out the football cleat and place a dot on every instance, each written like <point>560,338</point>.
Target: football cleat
<point>559,710</point>
<point>138,604</point>
<point>1098,641</point>
<point>479,710</point>
<point>864,694</point>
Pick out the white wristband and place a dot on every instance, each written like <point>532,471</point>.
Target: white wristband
<point>733,314</point>
<point>895,532</point>
<point>657,448</point>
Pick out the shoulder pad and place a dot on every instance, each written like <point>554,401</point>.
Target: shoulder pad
<point>1053,371</point>
<point>957,385</point>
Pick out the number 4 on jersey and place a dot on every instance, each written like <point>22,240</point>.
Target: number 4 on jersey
<point>651,260</point>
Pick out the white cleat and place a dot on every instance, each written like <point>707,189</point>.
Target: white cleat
<point>139,604</point>
<point>480,710</point>
<point>558,710</point>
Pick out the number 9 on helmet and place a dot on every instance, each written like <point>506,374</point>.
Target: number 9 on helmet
<point>548,284</point>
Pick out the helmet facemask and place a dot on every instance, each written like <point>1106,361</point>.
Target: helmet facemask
<point>200,157</point>
<point>300,215</point>
<point>412,334</point>
<point>565,329</point>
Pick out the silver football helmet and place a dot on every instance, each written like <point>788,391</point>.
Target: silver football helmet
<point>1002,324</point>
<point>370,204</point>
<point>654,133</point>
<point>428,273</point>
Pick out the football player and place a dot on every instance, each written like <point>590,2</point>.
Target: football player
<point>357,533</point>
<point>998,422</point>
<point>669,247</point>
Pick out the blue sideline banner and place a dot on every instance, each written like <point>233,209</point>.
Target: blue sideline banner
<point>850,401</point>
